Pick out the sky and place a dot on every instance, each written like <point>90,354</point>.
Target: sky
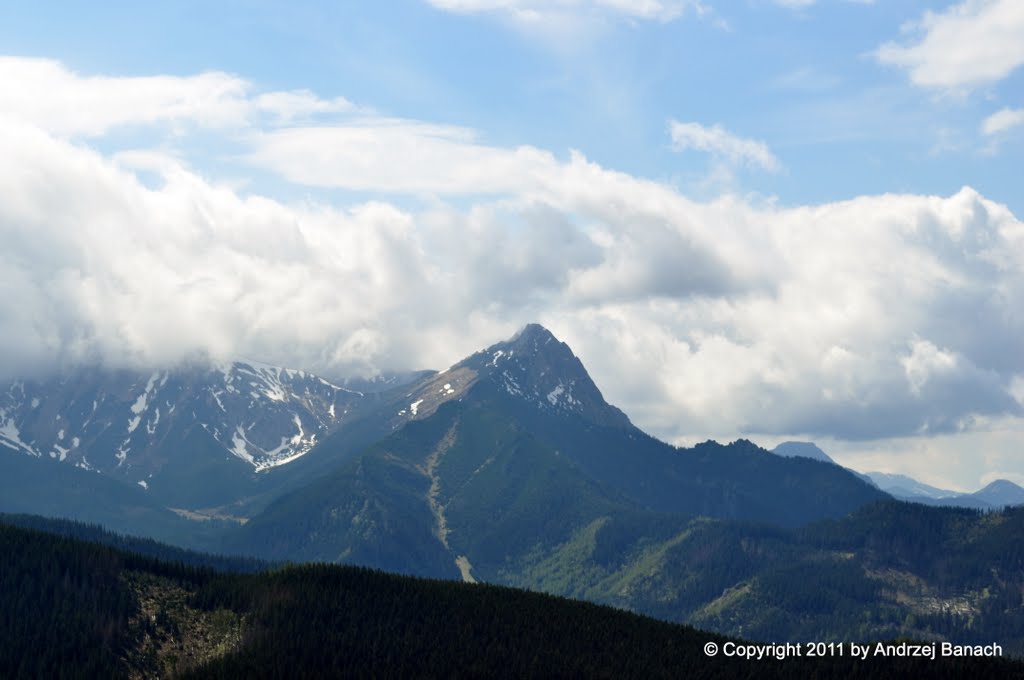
<point>771,219</point>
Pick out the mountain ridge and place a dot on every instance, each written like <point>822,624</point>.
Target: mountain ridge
<point>500,463</point>
<point>498,476</point>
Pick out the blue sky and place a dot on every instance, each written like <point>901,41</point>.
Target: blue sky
<point>773,219</point>
<point>805,81</point>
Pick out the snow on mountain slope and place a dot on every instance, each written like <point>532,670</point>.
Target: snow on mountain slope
<point>119,422</point>
<point>903,486</point>
<point>533,367</point>
<point>206,426</point>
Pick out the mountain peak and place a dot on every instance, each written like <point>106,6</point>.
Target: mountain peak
<point>1001,485</point>
<point>1001,492</point>
<point>533,340</point>
<point>532,366</point>
<point>538,367</point>
<point>802,450</point>
<point>533,331</point>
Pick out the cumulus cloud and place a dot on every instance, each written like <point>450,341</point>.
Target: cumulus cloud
<point>722,144</point>
<point>970,44</point>
<point>46,94</point>
<point>877,317</point>
<point>399,156</point>
<point>863,333</point>
<point>1002,120</point>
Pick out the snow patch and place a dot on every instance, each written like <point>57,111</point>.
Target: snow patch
<point>280,461</point>
<point>140,404</point>
<point>122,452</point>
<point>144,485</point>
<point>35,403</point>
<point>465,569</point>
<point>60,434</point>
<point>414,406</point>
<point>10,436</point>
<point>151,426</point>
<point>239,445</point>
<point>298,423</point>
<point>511,386</point>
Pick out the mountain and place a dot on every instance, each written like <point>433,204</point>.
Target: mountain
<point>223,441</point>
<point>73,609</point>
<point>812,451</point>
<point>889,569</point>
<point>532,367</point>
<point>511,468</point>
<point>191,437</point>
<point>902,486</point>
<point>512,452</point>
<point>48,487</point>
<point>1001,493</point>
<point>802,450</point>
<point>997,494</point>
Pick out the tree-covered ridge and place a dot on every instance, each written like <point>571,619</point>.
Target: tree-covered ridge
<point>891,569</point>
<point>94,533</point>
<point>612,517</point>
<point>70,609</point>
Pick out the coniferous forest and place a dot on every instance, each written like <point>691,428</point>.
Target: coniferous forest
<point>73,608</point>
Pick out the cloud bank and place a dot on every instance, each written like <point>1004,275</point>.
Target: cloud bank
<point>876,317</point>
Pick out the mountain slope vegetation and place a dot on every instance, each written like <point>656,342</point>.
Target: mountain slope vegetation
<point>80,610</point>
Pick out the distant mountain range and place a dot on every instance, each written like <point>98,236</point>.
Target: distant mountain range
<point>509,467</point>
<point>997,494</point>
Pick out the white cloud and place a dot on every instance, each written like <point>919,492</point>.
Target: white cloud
<point>722,144</point>
<point>299,104</point>
<point>970,44</point>
<point>1002,120</point>
<point>46,94</point>
<point>869,319</point>
<point>541,10</point>
<point>399,156</point>
<point>925,361</point>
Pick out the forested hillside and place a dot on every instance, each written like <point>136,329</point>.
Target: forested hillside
<point>72,609</point>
